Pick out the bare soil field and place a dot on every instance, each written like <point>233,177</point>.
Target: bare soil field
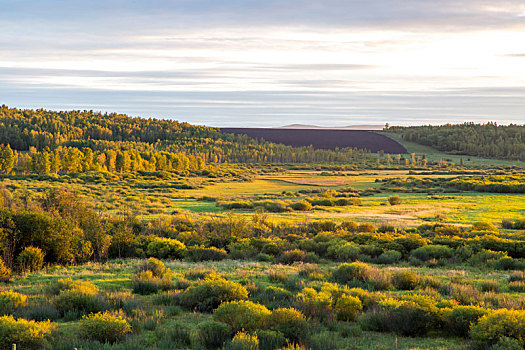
<point>324,139</point>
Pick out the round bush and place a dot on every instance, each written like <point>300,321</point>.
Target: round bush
<point>26,334</point>
<point>166,248</point>
<point>389,257</point>
<point>270,340</point>
<point>497,325</point>
<point>459,319</point>
<point>104,327</point>
<point>428,252</point>
<point>244,341</point>
<point>207,295</point>
<point>394,200</point>
<point>205,254</point>
<point>290,322</point>
<point>157,267</point>
<point>405,279</point>
<point>349,272</point>
<point>291,256</point>
<point>242,315</point>
<point>75,300</point>
<point>146,282</point>
<point>213,334</point>
<point>30,259</point>
<point>347,307</point>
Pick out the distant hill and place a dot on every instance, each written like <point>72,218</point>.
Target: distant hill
<point>348,127</point>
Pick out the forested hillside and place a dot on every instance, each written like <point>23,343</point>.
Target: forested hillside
<point>484,140</point>
<point>71,141</point>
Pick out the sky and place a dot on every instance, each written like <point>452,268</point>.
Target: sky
<point>268,63</point>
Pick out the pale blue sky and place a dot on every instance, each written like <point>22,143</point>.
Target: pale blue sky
<point>268,63</point>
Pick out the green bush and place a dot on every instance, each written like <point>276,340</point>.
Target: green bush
<point>166,248</point>
<point>291,256</point>
<point>157,267</point>
<point>347,307</point>
<point>356,271</point>
<point>315,304</point>
<point>517,286</point>
<point>207,295</point>
<point>146,282</point>
<point>77,301</point>
<point>242,315</point>
<point>104,327</point>
<point>394,200</point>
<point>204,254</point>
<point>459,319</point>
<point>302,206</point>
<point>30,259</point>
<point>243,341</point>
<point>290,322</point>
<point>389,257</point>
<point>9,301</point>
<point>405,279</point>
<point>270,340</point>
<point>26,334</point>
<point>275,297</point>
<point>213,334</point>
<point>344,251</point>
<point>428,252</point>
<point>5,273</point>
<point>497,325</point>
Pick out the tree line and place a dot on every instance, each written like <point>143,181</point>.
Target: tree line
<point>46,131</point>
<point>483,140</point>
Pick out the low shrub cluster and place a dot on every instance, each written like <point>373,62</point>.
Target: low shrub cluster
<point>151,277</point>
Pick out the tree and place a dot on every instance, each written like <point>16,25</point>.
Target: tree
<point>7,159</point>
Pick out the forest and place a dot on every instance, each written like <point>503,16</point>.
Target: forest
<point>485,140</point>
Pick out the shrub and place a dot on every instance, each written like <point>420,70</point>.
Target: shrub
<point>465,294</point>
<point>77,301</point>
<point>379,279</point>
<point>157,267</point>
<point>166,248</point>
<point>414,316</point>
<point>64,284</point>
<point>394,200</point>
<point>428,252</point>
<point>389,257</point>
<point>270,340</point>
<point>517,276</point>
<point>517,286</point>
<point>26,334</point>
<point>459,319</point>
<point>497,325</point>
<point>275,297</point>
<point>209,294</point>
<point>347,307</point>
<point>146,282</point>
<point>405,279</point>
<point>315,304</point>
<point>204,254</point>
<point>490,285</point>
<point>213,334</point>
<point>244,341</point>
<point>291,256</point>
<point>9,301</point>
<point>104,327</point>
<point>290,322</point>
<point>506,343</point>
<point>302,206</point>
<point>350,272</point>
<point>242,315</point>
<point>5,273</point>
<point>30,259</point>
<point>344,251</point>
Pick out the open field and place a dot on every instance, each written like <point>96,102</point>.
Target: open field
<point>323,139</point>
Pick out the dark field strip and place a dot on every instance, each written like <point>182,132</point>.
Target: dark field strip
<point>324,139</point>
